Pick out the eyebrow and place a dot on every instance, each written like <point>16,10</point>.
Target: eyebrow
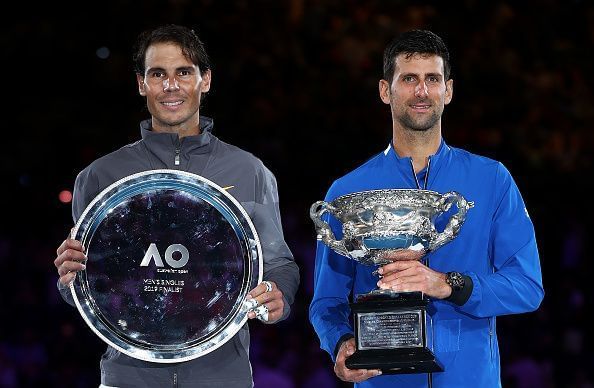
<point>426,75</point>
<point>182,68</point>
<point>186,68</point>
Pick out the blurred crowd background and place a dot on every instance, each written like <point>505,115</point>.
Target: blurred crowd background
<point>295,82</point>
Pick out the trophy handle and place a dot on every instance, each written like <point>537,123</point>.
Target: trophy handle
<point>323,229</point>
<point>454,224</point>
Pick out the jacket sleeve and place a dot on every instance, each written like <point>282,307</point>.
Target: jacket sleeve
<point>279,265</point>
<point>329,311</point>
<point>85,188</point>
<point>515,286</point>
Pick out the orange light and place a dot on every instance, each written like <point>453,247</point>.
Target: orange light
<point>65,196</point>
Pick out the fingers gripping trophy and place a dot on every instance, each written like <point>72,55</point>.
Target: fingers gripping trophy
<point>392,329</point>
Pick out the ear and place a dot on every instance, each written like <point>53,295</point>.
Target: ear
<point>449,93</point>
<point>206,78</point>
<point>140,81</point>
<point>384,91</point>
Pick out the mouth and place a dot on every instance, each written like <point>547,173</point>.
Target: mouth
<point>172,105</point>
<point>420,107</point>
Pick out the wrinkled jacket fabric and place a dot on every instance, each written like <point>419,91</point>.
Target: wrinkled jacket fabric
<point>496,248</point>
<point>248,181</point>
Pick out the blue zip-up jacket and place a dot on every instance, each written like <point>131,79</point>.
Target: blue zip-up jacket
<point>496,248</point>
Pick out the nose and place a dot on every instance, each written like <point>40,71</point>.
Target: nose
<point>170,84</point>
<point>421,89</point>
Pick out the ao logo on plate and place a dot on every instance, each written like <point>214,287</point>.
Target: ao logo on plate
<point>152,253</point>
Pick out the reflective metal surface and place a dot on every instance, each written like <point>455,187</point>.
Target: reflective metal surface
<point>379,222</point>
<point>389,330</point>
<point>171,258</point>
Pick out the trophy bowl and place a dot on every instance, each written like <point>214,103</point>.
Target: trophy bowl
<point>393,330</point>
<point>171,257</point>
<point>379,223</point>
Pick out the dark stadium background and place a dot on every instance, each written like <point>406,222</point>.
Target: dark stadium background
<point>295,82</point>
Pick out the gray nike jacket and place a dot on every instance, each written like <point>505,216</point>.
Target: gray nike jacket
<point>254,186</point>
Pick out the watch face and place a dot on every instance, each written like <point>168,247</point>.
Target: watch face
<point>455,280</point>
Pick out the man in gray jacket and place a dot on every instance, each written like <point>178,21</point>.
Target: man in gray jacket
<point>173,73</point>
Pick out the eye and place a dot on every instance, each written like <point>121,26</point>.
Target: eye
<point>409,78</point>
<point>157,74</point>
<point>433,79</point>
<point>185,73</point>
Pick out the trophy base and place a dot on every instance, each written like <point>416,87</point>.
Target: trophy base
<point>395,361</point>
<point>393,333</point>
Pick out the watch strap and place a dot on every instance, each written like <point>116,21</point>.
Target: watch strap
<point>459,297</point>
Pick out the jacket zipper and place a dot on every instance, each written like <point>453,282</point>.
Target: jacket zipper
<point>491,336</point>
<point>492,330</point>
<point>174,379</point>
<point>177,152</point>
<point>426,174</point>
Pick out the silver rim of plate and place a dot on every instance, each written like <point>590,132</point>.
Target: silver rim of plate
<point>249,267</point>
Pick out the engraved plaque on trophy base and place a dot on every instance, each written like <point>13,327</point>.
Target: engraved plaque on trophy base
<point>392,333</point>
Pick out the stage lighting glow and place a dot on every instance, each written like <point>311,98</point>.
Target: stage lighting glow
<point>103,52</point>
<point>65,196</point>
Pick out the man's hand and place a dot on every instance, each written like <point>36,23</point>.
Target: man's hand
<point>272,298</point>
<point>404,255</point>
<point>412,275</point>
<point>70,259</point>
<point>351,375</point>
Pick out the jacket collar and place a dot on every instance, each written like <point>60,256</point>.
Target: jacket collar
<point>404,164</point>
<point>188,143</point>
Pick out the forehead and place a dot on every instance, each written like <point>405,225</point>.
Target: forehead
<point>165,55</point>
<point>418,64</point>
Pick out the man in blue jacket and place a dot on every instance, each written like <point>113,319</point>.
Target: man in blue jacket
<point>491,268</point>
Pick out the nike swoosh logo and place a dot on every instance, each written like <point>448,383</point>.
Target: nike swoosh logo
<point>228,187</point>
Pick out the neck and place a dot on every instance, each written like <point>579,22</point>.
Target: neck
<point>182,130</point>
<point>418,145</point>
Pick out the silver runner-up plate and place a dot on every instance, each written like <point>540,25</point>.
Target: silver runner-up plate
<point>171,257</point>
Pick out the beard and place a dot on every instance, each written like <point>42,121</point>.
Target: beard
<point>418,125</point>
<point>414,122</point>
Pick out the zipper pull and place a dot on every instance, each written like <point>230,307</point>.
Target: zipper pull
<point>177,151</point>
<point>178,141</point>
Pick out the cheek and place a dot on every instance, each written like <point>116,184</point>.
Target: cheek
<point>152,93</point>
<point>149,91</point>
<point>194,86</point>
<point>151,97</point>
<point>400,99</point>
<point>440,92</point>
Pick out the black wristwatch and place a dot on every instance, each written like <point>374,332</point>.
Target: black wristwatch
<point>455,280</point>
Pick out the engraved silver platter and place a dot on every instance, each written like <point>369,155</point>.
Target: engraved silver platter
<point>171,258</point>
<point>379,222</point>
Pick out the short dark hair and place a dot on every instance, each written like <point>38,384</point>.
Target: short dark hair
<point>191,46</point>
<point>415,42</point>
